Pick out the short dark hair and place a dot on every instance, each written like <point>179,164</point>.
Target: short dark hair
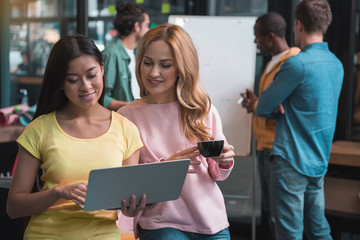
<point>127,15</point>
<point>52,96</point>
<point>272,22</point>
<point>315,15</point>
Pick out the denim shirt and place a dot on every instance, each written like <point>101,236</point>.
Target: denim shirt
<point>308,85</point>
<point>117,73</point>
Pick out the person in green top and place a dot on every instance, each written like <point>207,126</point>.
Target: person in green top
<point>121,87</point>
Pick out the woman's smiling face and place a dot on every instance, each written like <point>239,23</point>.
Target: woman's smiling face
<point>159,72</point>
<point>83,82</point>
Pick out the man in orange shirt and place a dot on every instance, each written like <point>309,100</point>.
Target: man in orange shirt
<point>269,31</point>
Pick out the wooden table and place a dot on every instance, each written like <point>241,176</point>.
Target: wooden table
<point>345,153</point>
<point>342,194</point>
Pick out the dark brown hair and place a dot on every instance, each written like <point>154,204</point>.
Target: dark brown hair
<point>272,22</point>
<point>127,15</point>
<point>52,96</point>
<point>315,15</point>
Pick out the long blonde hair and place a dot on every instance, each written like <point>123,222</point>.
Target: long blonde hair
<point>194,101</point>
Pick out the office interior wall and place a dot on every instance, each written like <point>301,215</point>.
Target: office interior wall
<point>4,54</point>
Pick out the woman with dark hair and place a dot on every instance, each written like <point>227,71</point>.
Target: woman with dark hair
<point>173,114</point>
<point>71,134</point>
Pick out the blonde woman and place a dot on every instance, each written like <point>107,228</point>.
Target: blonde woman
<point>172,115</point>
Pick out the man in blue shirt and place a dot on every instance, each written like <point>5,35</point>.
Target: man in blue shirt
<point>269,31</point>
<point>306,90</point>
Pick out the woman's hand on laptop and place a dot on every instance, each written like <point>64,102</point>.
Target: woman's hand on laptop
<point>75,192</point>
<point>132,210</point>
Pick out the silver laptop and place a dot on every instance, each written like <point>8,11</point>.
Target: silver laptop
<point>160,181</point>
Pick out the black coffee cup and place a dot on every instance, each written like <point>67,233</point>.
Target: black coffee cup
<point>211,148</point>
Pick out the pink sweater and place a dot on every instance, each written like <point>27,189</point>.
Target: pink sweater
<point>200,207</point>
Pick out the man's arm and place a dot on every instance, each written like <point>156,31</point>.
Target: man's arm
<point>110,75</point>
<point>249,101</point>
<point>285,82</point>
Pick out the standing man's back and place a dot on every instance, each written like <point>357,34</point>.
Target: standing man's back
<point>131,23</point>
<point>307,87</point>
<point>308,125</point>
<point>269,31</point>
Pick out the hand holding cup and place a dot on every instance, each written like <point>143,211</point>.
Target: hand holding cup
<point>211,149</point>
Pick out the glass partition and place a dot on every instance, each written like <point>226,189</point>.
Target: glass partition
<point>96,30</point>
<point>71,28</point>
<point>42,8</point>
<point>70,8</point>
<point>356,94</point>
<point>41,39</point>
<point>102,14</point>
<point>19,49</point>
<point>102,8</point>
<point>17,8</point>
<point>241,7</point>
<point>35,26</point>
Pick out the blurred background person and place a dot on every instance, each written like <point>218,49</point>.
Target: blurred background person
<point>131,23</point>
<point>23,67</point>
<point>306,90</point>
<point>269,31</point>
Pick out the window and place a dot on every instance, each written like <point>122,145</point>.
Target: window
<point>241,7</point>
<point>102,14</point>
<point>35,26</point>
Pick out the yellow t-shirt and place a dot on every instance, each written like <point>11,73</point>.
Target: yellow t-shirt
<point>68,160</point>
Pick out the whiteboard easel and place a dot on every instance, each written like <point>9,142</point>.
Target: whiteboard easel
<point>227,55</point>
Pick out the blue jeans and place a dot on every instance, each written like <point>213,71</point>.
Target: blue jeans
<point>176,234</point>
<point>297,202</point>
<point>263,159</point>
